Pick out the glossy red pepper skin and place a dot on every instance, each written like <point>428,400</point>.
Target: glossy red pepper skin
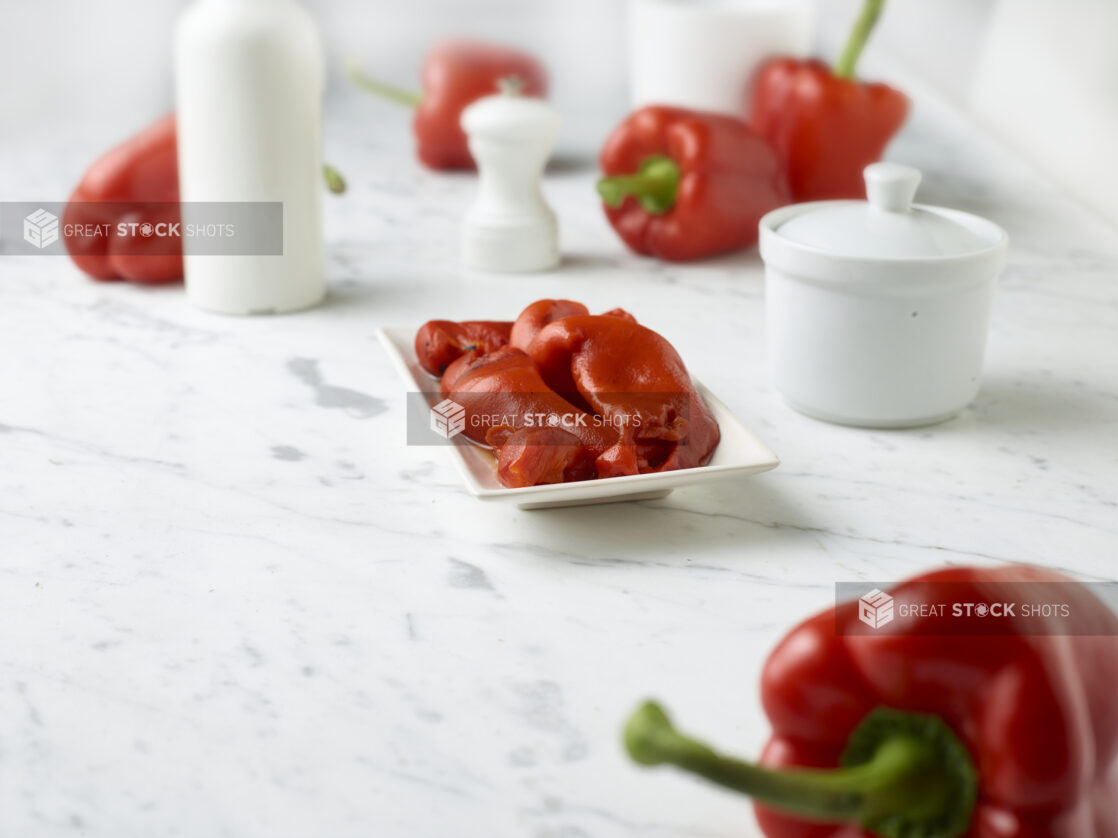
<point>1037,713</point>
<point>729,178</point>
<point>457,73</point>
<point>506,383</point>
<point>537,315</point>
<point>632,376</point>
<point>439,343</point>
<point>558,361</point>
<point>137,181</point>
<point>538,456</point>
<point>824,128</point>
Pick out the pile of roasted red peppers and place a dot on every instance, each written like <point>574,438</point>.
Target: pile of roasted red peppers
<point>561,395</point>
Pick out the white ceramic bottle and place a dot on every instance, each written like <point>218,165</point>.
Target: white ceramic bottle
<point>702,54</point>
<point>249,78</point>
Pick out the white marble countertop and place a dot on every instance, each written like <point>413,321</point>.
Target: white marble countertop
<point>234,603</point>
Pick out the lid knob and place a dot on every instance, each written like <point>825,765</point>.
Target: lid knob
<point>891,186</point>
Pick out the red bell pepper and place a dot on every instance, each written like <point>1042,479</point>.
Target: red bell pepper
<point>682,185</point>
<point>938,734</point>
<point>455,74</point>
<point>137,181</point>
<point>825,125</point>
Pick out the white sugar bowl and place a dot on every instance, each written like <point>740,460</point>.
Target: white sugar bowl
<point>877,311</point>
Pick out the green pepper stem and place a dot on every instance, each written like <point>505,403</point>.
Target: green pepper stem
<point>655,185</point>
<point>905,777</point>
<point>386,91</point>
<point>863,26</point>
<point>334,180</point>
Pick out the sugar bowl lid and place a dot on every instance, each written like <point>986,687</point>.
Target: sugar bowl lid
<point>887,225</point>
<point>886,238</point>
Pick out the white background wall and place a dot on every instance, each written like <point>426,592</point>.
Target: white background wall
<point>96,70</point>
<point>86,63</point>
<point>939,40</point>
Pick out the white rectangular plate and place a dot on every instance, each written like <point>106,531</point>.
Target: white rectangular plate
<point>739,453</point>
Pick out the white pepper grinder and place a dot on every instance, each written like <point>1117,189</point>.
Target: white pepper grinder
<point>510,228</point>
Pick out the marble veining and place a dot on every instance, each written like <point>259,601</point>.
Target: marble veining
<point>234,603</point>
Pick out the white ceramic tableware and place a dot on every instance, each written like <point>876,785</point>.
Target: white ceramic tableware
<point>739,452</point>
<point>510,228</point>
<point>702,54</point>
<point>249,78</point>
<point>877,311</point>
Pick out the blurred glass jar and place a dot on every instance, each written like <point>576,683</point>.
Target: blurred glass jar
<point>702,54</point>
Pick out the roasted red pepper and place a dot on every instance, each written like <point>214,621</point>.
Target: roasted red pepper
<point>455,74</point>
<point>538,456</point>
<point>824,124</point>
<point>634,378</point>
<point>530,321</point>
<point>137,181</point>
<point>438,343</point>
<point>939,733</point>
<point>682,185</point>
<point>573,396</point>
<point>506,384</point>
